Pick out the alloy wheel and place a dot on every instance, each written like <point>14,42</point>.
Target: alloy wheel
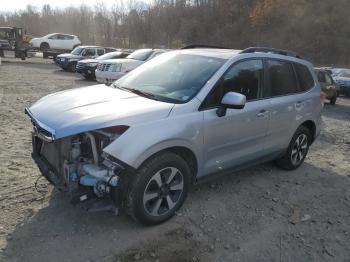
<point>163,191</point>
<point>299,149</point>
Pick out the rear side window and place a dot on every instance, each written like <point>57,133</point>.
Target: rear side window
<point>69,37</point>
<point>100,52</point>
<point>305,78</point>
<point>281,78</point>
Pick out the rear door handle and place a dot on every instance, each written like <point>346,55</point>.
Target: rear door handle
<point>262,113</point>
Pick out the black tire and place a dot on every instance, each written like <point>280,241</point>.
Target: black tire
<point>72,66</point>
<point>287,161</point>
<point>23,56</point>
<point>44,46</point>
<point>333,100</point>
<point>144,211</point>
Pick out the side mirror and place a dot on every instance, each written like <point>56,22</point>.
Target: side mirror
<point>231,100</point>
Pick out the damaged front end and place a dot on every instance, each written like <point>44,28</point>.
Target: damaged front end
<point>78,165</point>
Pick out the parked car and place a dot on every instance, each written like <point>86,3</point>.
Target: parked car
<point>110,70</point>
<point>69,61</point>
<point>55,41</point>
<point>327,84</point>
<point>176,120</point>
<point>87,67</point>
<point>342,79</point>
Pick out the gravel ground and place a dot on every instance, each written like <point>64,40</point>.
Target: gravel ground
<point>259,214</point>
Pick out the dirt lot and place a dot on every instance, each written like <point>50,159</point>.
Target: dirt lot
<point>260,214</point>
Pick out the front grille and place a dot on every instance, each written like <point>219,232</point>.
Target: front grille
<point>103,67</point>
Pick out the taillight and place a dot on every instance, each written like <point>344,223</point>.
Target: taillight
<point>322,97</point>
<point>115,129</point>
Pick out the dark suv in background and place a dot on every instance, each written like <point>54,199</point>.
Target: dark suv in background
<point>69,61</point>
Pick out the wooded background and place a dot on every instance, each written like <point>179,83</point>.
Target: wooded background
<point>319,30</point>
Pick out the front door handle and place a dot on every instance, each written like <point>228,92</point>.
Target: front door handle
<point>262,113</point>
<point>299,104</point>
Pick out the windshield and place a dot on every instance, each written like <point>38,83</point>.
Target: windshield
<point>141,55</point>
<point>344,73</point>
<point>171,77</point>
<point>110,55</point>
<point>77,51</point>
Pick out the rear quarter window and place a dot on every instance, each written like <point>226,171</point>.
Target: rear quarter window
<point>306,81</point>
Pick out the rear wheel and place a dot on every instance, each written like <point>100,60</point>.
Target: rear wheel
<point>297,150</point>
<point>158,189</point>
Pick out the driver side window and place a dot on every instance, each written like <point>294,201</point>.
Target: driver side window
<point>89,52</point>
<point>244,77</point>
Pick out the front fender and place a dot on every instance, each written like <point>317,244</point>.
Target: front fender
<point>138,143</point>
<point>163,145</point>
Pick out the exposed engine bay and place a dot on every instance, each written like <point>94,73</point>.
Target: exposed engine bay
<point>77,162</point>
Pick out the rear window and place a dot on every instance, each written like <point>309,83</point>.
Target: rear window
<point>305,78</point>
<point>321,77</point>
<point>282,78</point>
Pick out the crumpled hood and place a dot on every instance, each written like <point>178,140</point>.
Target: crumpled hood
<point>84,109</point>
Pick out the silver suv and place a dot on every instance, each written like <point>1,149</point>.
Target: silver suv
<point>174,121</point>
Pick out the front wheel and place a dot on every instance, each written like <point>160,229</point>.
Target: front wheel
<point>44,47</point>
<point>297,150</point>
<point>72,66</point>
<point>158,189</point>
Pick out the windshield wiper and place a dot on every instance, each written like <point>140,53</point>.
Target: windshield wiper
<point>142,93</point>
<point>137,92</point>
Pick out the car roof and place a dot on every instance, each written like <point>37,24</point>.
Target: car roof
<point>59,34</point>
<point>211,52</point>
<point>225,53</point>
<point>90,46</point>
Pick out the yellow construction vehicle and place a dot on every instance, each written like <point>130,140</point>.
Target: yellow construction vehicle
<point>14,39</point>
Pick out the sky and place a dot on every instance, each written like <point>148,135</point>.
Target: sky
<point>12,5</point>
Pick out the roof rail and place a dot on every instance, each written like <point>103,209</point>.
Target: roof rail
<point>203,46</point>
<point>269,50</point>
